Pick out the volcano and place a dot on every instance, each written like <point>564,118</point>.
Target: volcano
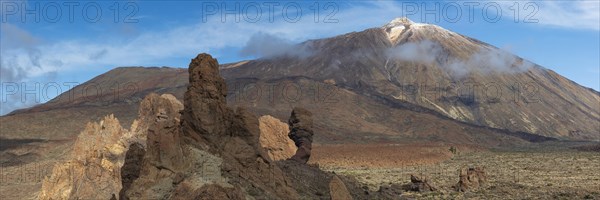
<point>403,83</point>
<point>426,68</point>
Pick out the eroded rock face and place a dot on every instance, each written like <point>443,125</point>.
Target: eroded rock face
<point>301,132</point>
<point>93,169</point>
<point>222,156</point>
<point>338,190</point>
<point>274,138</point>
<point>470,179</point>
<point>158,121</point>
<point>132,167</point>
<point>206,114</point>
<point>106,158</point>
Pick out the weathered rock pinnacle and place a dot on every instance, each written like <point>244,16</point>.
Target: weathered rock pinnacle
<point>301,132</point>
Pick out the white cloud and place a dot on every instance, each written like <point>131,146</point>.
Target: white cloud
<point>584,15</point>
<point>267,45</point>
<point>485,61</point>
<point>425,51</point>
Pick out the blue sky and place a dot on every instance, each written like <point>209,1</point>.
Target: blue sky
<point>72,42</point>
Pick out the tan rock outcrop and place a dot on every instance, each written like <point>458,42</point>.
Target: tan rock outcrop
<point>274,138</point>
<point>338,190</point>
<point>470,178</point>
<point>93,170</point>
<point>96,167</point>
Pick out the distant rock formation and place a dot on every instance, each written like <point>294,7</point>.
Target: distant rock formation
<point>420,184</point>
<point>301,132</point>
<point>274,138</point>
<point>470,179</point>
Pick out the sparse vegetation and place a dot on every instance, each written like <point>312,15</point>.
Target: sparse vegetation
<point>452,149</point>
<point>520,175</point>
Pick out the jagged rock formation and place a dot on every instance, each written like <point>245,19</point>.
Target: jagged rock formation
<point>223,157</point>
<point>93,170</point>
<point>470,178</point>
<point>105,157</point>
<point>301,132</point>
<point>159,119</point>
<point>274,138</point>
<point>420,184</point>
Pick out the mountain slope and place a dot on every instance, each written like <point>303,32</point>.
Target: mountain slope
<point>400,82</point>
<point>460,77</point>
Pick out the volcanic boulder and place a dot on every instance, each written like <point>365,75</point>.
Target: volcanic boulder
<point>274,139</point>
<point>420,184</point>
<point>301,132</point>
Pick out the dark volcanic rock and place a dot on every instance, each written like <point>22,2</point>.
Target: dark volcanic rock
<point>159,121</point>
<point>420,184</point>
<point>310,182</point>
<point>301,132</point>
<point>213,153</point>
<point>131,168</point>
<point>206,112</point>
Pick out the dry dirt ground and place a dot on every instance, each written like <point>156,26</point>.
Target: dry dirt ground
<point>528,173</point>
<point>362,156</point>
<point>537,173</point>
